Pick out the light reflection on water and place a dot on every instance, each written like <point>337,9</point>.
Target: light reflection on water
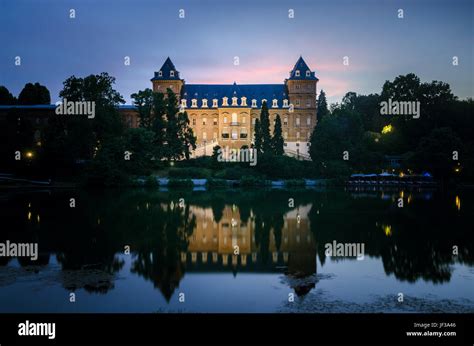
<point>237,250</point>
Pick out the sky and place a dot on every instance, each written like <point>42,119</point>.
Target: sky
<point>203,44</point>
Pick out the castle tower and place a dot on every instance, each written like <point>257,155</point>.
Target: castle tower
<point>302,86</point>
<point>167,77</point>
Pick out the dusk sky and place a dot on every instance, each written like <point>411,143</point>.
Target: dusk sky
<point>380,46</point>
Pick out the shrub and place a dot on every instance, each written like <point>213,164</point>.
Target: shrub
<point>188,172</point>
<point>180,183</point>
<point>151,182</point>
<point>251,180</point>
<point>217,183</point>
<point>295,182</point>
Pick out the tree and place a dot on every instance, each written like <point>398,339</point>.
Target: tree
<point>258,136</point>
<point>265,129</point>
<point>34,94</point>
<point>435,152</point>
<point>277,139</point>
<point>6,98</point>
<point>322,106</point>
<point>179,136</point>
<point>144,101</point>
<point>78,137</point>
<point>151,111</point>
<point>140,143</point>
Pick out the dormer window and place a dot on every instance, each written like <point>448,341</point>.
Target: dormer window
<point>183,103</point>
<point>275,103</point>
<point>234,101</point>
<point>204,103</point>
<point>225,101</point>
<point>285,103</point>
<point>297,73</point>
<point>214,103</point>
<point>160,74</point>
<point>171,73</point>
<point>194,103</point>
<point>254,103</point>
<point>308,73</point>
<point>243,102</point>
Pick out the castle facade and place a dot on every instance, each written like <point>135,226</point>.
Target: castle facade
<point>225,114</point>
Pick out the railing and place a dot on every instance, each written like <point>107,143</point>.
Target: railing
<point>299,156</point>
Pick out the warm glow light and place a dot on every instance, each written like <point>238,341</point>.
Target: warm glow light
<point>401,174</point>
<point>387,230</point>
<point>29,215</point>
<point>458,203</point>
<point>29,154</point>
<point>457,169</point>
<point>387,129</point>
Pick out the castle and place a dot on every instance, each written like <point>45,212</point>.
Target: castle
<point>225,114</point>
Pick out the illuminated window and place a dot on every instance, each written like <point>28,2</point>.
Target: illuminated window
<point>225,101</point>
<point>234,101</point>
<point>243,102</point>
<point>214,103</point>
<point>204,103</point>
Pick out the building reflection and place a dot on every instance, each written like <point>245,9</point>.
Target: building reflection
<point>258,244</point>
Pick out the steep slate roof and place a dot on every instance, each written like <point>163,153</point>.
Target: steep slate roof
<point>302,67</point>
<point>250,91</point>
<point>167,67</point>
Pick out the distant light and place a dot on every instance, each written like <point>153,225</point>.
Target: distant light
<point>387,129</point>
<point>29,154</point>
<point>458,203</point>
<point>401,174</point>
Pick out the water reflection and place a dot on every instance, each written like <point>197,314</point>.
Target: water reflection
<point>173,233</point>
